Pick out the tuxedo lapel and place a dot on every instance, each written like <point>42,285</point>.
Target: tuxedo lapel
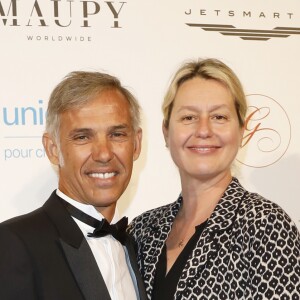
<point>77,251</point>
<point>133,261</point>
<point>86,271</point>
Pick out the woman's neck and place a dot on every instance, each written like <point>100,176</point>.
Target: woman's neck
<point>201,197</point>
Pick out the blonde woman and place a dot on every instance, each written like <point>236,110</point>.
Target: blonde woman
<point>217,240</point>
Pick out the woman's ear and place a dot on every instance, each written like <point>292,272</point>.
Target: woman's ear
<point>242,130</point>
<point>51,148</point>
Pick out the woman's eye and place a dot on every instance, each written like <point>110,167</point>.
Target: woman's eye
<point>220,117</point>
<point>188,118</point>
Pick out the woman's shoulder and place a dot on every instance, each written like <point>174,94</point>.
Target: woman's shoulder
<point>250,205</point>
<point>154,216</point>
<point>257,212</point>
<point>256,205</point>
<point>251,209</point>
<point>154,213</point>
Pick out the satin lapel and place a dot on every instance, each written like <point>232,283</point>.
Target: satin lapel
<point>86,271</point>
<point>77,251</point>
<point>133,261</point>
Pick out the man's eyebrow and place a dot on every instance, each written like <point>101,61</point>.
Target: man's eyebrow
<point>120,126</point>
<point>90,130</point>
<point>80,130</point>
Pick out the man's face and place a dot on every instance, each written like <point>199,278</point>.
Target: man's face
<point>97,148</point>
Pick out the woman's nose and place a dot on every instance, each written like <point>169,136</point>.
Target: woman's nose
<point>203,128</point>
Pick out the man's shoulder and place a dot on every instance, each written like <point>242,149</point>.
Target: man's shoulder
<point>24,219</point>
<point>30,222</point>
<point>25,227</point>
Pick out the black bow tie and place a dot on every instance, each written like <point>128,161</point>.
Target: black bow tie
<point>102,228</point>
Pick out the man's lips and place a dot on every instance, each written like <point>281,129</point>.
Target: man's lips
<point>102,175</point>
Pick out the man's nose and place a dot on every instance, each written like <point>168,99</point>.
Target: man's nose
<point>102,150</point>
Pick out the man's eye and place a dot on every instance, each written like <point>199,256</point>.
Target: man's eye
<point>80,137</point>
<point>118,134</point>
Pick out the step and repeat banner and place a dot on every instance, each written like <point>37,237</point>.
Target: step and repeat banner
<point>143,42</point>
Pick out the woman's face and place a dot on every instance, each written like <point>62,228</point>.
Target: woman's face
<point>204,133</point>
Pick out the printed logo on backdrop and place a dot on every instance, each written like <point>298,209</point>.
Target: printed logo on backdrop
<point>247,23</point>
<point>41,20</point>
<point>22,128</point>
<point>267,133</point>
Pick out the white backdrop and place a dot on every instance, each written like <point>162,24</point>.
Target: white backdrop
<point>143,43</point>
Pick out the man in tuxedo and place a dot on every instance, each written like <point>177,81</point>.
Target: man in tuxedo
<point>68,249</point>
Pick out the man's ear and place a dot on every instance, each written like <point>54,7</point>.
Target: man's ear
<point>51,148</point>
<point>165,131</point>
<point>137,143</point>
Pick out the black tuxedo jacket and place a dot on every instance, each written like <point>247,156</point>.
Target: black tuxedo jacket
<point>44,255</point>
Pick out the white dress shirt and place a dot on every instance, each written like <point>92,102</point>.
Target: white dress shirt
<point>111,256</point>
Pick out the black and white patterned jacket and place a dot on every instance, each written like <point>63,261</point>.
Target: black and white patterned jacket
<point>250,249</point>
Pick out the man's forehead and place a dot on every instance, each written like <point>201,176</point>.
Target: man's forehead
<point>108,126</point>
<point>115,108</point>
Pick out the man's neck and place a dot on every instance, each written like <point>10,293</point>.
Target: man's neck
<point>109,213</point>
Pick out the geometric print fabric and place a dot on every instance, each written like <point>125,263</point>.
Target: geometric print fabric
<point>250,249</point>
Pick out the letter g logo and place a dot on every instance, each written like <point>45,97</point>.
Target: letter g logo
<point>267,132</point>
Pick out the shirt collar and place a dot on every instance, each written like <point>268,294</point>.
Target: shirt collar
<point>87,208</point>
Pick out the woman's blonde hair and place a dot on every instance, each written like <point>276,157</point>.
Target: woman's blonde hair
<point>206,69</point>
